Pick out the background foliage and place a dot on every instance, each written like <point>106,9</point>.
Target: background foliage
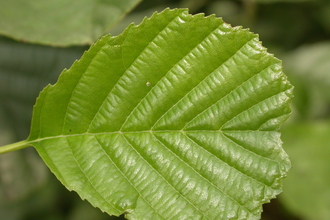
<point>296,31</point>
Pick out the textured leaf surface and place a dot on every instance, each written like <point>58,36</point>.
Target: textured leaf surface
<point>176,118</point>
<point>60,22</point>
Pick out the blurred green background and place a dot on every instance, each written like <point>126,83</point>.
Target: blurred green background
<point>296,31</point>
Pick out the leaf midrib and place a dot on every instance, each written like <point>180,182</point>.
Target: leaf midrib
<point>159,174</point>
<point>172,131</point>
<point>137,132</point>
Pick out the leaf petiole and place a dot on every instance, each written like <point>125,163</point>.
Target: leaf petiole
<point>15,146</point>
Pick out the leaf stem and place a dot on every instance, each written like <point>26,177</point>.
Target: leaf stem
<point>14,146</point>
<point>250,7</point>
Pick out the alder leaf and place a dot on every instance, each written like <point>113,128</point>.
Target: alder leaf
<point>176,118</point>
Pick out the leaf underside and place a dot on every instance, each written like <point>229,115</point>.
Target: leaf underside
<point>176,118</point>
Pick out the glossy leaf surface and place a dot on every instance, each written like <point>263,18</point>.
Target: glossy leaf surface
<point>176,118</point>
<point>61,22</point>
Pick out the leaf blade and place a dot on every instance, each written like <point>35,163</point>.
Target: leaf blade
<point>156,123</point>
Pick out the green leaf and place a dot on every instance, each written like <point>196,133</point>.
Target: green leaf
<point>61,22</point>
<point>176,118</point>
<point>306,189</point>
